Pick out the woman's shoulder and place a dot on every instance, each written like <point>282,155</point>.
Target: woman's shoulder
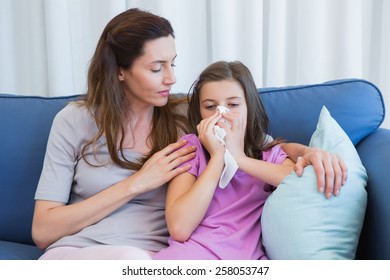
<point>75,112</point>
<point>72,108</point>
<point>74,116</point>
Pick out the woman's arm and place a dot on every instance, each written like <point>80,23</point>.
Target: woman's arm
<point>330,169</point>
<point>53,220</point>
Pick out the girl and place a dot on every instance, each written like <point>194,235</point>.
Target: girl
<point>208,222</point>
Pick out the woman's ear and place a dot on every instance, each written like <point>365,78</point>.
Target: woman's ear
<point>121,77</point>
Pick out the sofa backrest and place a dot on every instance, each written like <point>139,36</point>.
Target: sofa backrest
<point>357,105</point>
<point>25,123</point>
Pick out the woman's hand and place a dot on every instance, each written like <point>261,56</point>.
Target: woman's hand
<point>163,166</point>
<point>330,169</point>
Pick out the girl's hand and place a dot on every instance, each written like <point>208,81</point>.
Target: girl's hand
<point>163,166</point>
<point>235,134</point>
<point>206,135</point>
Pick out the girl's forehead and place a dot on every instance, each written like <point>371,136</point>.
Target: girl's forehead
<point>221,89</point>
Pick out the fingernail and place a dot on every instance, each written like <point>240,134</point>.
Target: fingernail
<point>328,195</point>
<point>321,190</point>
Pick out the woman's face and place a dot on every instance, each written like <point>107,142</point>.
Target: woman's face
<point>227,93</point>
<point>148,82</point>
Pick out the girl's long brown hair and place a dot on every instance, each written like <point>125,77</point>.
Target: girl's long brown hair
<point>256,135</point>
<point>121,42</point>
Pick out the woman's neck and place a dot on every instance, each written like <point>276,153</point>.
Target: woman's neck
<point>137,128</point>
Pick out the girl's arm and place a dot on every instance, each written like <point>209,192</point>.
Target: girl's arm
<point>270,173</point>
<point>330,169</point>
<point>188,198</point>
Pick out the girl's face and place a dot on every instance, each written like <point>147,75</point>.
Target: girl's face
<point>148,82</point>
<point>227,93</point>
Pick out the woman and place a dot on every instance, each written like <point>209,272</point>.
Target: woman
<point>101,194</point>
<point>109,155</point>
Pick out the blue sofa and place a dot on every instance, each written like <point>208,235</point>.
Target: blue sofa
<point>356,104</point>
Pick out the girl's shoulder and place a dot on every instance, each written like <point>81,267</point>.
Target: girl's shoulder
<point>274,154</point>
<point>191,139</point>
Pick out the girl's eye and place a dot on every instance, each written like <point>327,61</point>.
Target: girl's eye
<point>211,107</point>
<point>233,105</point>
<point>156,70</point>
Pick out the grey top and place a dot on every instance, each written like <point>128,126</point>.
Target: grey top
<point>66,177</point>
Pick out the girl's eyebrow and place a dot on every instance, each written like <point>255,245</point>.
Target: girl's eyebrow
<point>229,98</point>
<point>208,100</point>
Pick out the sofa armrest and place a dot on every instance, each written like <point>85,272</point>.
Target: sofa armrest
<point>374,151</point>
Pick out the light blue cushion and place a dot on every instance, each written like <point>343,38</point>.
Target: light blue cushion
<point>298,222</point>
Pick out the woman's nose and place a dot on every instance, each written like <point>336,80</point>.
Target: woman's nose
<point>170,77</point>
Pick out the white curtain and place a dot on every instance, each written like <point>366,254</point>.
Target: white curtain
<point>46,45</point>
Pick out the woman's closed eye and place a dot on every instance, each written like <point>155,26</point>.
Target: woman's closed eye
<point>156,70</point>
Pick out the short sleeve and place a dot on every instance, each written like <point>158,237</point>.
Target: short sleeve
<point>198,164</point>
<point>275,155</point>
<point>62,152</point>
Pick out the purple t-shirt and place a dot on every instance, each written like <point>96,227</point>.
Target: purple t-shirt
<point>231,227</point>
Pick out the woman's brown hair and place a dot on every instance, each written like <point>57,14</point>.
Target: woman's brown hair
<point>256,135</point>
<point>121,42</point>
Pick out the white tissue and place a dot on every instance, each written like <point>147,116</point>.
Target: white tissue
<point>222,109</point>
<point>231,166</point>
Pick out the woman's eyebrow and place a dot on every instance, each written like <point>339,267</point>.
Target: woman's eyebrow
<point>163,61</point>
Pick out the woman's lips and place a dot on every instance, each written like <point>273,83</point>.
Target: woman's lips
<point>164,93</point>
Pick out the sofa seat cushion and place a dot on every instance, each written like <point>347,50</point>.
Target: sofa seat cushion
<point>17,251</point>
